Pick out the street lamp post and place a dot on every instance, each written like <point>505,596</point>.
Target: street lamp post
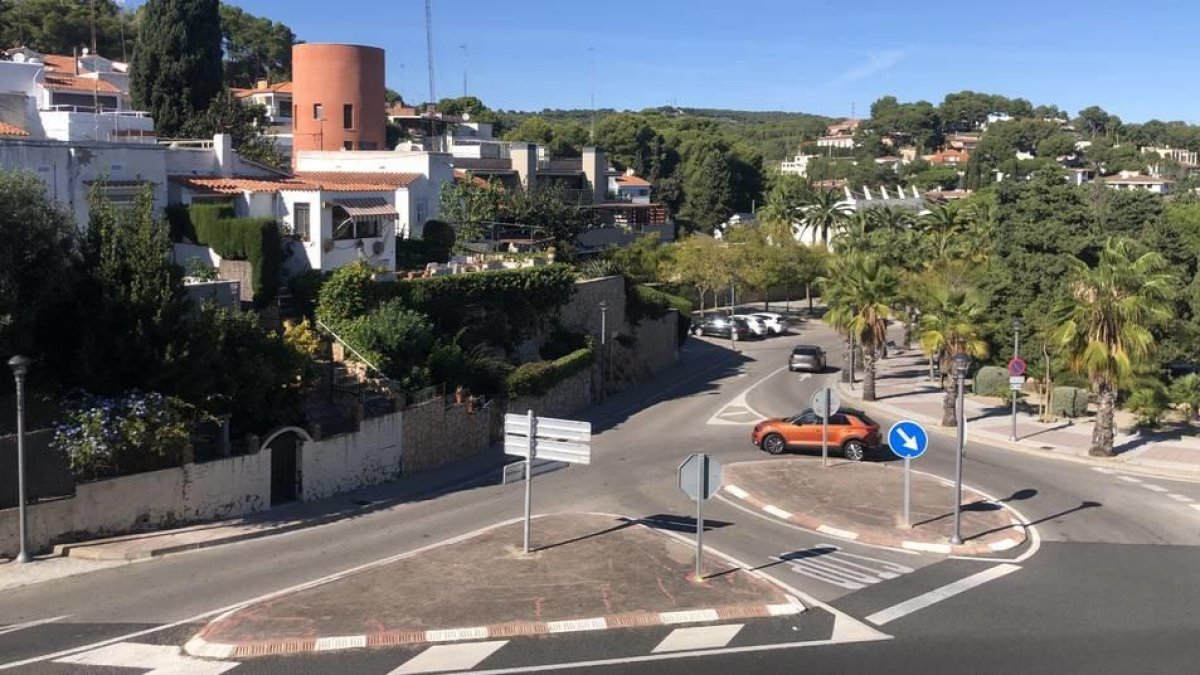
<point>732,331</point>
<point>20,366</point>
<point>1016,324</point>
<point>962,363</point>
<point>603,346</point>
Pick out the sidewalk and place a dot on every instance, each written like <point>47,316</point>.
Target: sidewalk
<point>862,501</point>
<point>585,572</point>
<point>102,553</point>
<point>903,389</point>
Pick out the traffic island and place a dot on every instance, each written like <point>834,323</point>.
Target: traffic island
<point>585,573</point>
<point>862,501</point>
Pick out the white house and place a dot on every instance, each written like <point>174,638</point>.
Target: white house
<point>277,100</point>
<point>797,166</point>
<point>1131,180</point>
<point>869,199</point>
<point>629,188</point>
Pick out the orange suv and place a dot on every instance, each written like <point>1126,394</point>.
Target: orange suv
<point>851,431</point>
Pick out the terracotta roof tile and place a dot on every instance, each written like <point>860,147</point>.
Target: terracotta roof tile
<point>60,74</point>
<point>635,181</point>
<point>277,88</point>
<point>235,185</point>
<point>7,129</point>
<point>347,181</point>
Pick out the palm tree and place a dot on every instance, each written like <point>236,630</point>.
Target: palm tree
<point>863,291</point>
<point>1104,324</point>
<point>891,218</point>
<point>941,227</point>
<point>952,323</point>
<point>851,237</point>
<point>824,212</point>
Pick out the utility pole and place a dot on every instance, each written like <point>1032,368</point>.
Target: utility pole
<point>466,65</point>
<point>429,58</point>
<point>592,105</point>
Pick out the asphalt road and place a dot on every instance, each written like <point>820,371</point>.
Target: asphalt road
<point>1110,588</point>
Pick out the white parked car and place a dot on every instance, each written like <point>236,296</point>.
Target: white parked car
<point>757,326</point>
<point>776,323</point>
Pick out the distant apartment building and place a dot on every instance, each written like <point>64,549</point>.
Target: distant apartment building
<point>839,135</point>
<point>796,166</point>
<point>1188,158</point>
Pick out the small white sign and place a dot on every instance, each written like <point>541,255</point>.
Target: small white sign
<point>1016,381</point>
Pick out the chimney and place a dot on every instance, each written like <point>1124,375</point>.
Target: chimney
<point>594,169</point>
<point>261,84</point>
<point>524,162</point>
<point>223,149</point>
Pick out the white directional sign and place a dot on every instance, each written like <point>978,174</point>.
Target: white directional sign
<point>560,440</point>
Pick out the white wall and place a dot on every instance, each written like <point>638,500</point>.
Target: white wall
<point>349,461</point>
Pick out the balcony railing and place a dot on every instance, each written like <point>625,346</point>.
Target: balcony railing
<point>92,110</point>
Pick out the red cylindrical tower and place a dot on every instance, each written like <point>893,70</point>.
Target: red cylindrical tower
<point>338,98</point>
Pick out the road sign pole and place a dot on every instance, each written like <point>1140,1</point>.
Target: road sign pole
<point>1013,392</point>
<point>701,489</point>
<point>907,492</point>
<point>825,430</point>
<point>529,477</point>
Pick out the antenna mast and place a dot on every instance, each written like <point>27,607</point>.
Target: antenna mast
<point>429,57</point>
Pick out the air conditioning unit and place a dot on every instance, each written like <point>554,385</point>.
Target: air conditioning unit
<point>377,247</point>
<point>327,245</point>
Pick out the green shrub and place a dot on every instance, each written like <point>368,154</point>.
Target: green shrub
<point>1148,404</point>
<point>305,288</point>
<point>396,340</point>
<point>991,381</point>
<point>414,254</point>
<point>439,237</point>
<point>538,377</point>
<point>349,293</point>
<point>1185,393</point>
<point>134,432</point>
<point>473,368</point>
<point>1069,402</point>
<point>254,239</point>
<point>561,342</point>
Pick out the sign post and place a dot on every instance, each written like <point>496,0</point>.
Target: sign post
<point>545,438</point>
<point>1016,372</point>
<point>699,478</point>
<point>908,440</point>
<point>825,403</point>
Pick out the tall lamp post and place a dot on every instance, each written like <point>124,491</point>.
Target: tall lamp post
<point>962,363</point>
<point>1016,324</point>
<point>603,346</point>
<point>20,366</point>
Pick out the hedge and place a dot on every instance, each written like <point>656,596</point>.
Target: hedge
<point>538,377</point>
<point>991,381</point>
<point>1069,402</point>
<point>254,239</point>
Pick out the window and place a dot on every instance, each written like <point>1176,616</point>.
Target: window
<point>806,417</point>
<point>364,227</point>
<point>367,228</point>
<point>285,110</point>
<point>839,419</point>
<point>318,112</point>
<point>348,145</point>
<point>348,116</point>
<point>300,221</point>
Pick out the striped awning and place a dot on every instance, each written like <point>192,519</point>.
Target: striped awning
<point>367,206</point>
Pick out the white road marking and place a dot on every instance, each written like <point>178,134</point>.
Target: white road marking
<point>835,532</point>
<point>149,659</point>
<point>736,491</point>
<point>1129,479</point>
<point>1155,488</point>
<point>926,547</point>
<point>1003,544</point>
<point>452,634</point>
<point>1103,470</point>
<point>828,563</point>
<point>446,658</point>
<point>1196,506</point>
<point>740,401</point>
<point>576,625</point>
<point>342,642</point>
<point>31,624</point>
<point>1180,498</point>
<point>937,595</point>
<point>777,512</point>
<point>701,637</point>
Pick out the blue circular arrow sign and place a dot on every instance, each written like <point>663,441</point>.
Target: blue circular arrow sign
<point>907,439</point>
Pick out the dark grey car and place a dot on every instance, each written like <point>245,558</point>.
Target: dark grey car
<point>807,357</point>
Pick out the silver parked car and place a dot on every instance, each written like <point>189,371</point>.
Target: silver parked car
<point>807,357</point>
<point>776,323</point>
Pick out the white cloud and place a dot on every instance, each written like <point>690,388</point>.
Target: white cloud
<point>877,62</point>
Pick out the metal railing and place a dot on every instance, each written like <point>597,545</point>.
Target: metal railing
<point>93,110</point>
<point>352,350</point>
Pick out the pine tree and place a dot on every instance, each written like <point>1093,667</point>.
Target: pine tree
<point>177,68</point>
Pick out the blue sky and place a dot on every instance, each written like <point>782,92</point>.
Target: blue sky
<point>1134,59</point>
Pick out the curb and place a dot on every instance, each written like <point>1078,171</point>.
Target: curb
<point>198,646</point>
<point>875,539</point>
<point>1150,467</point>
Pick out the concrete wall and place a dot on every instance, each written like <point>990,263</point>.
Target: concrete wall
<point>347,462</point>
<point>436,433</point>
<point>241,271</point>
<point>583,311</point>
<point>147,501</point>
